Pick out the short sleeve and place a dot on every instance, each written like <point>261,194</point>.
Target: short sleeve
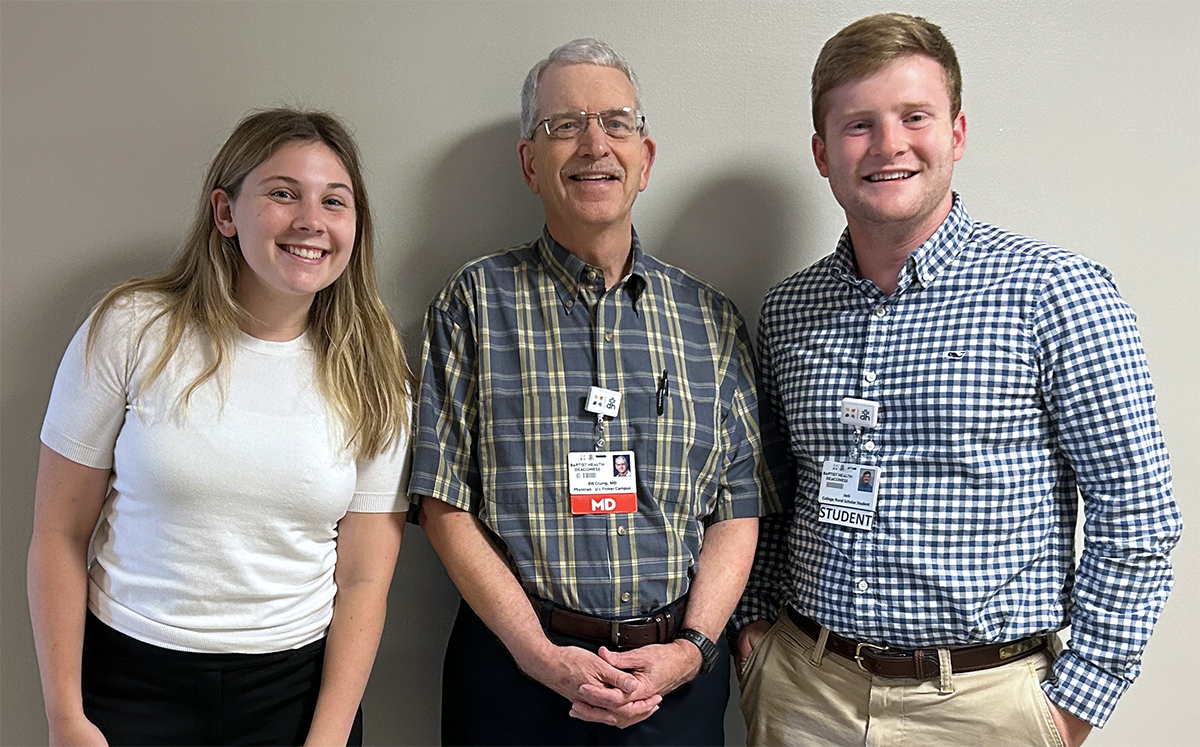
<point>445,463</point>
<point>90,396</point>
<point>742,484</point>
<point>382,483</point>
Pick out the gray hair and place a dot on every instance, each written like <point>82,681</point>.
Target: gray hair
<point>577,52</point>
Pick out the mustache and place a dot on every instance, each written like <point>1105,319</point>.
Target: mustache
<point>599,167</point>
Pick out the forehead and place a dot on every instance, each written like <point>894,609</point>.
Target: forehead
<point>304,157</point>
<point>914,79</point>
<point>583,87</point>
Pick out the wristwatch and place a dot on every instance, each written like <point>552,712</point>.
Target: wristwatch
<point>708,649</point>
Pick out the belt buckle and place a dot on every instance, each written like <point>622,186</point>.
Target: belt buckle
<point>614,632</point>
<point>858,658</point>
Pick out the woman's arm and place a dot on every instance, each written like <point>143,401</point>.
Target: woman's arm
<point>367,547</point>
<point>66,505</point>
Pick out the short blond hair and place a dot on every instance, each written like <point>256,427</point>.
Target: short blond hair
<point>869,44</point>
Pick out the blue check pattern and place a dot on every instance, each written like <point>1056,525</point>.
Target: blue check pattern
<point>1010,375</point>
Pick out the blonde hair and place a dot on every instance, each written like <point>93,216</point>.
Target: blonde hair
<point>361,367</point>
<point>869,44</point>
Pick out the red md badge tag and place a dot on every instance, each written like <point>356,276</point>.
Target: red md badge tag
<point>602,482</point>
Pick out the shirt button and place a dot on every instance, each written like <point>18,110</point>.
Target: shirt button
<point>870,377</point>
<point>626,597</point>
<point>862,585</point>
<point>571,304</point>
<point>608,337</point>
<point>621,530</point>
<point>869,446</point>
<point>600,442</point>
<point>880,312</point>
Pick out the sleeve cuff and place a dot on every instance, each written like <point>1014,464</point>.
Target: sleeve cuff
<point>80,453</point>
<point>379,503</point>
<point>1084,690</point>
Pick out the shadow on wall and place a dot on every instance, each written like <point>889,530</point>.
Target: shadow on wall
<point>737,233</point>
<point>37,329</point>
<point>476,203</point>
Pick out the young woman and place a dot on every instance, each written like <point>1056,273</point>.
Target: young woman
<point>235,431</point>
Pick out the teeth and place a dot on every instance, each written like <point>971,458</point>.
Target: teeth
<point>300,251</point>
<point>890,176</point>
<point>591,177</point>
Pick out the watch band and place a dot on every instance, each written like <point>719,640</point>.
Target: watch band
<point>708,649</point>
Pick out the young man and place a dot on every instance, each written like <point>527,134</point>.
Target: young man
<point>984,378</point>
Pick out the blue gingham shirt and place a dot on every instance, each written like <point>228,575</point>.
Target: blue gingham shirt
<point>1009,373</point>
<point>512,346</point>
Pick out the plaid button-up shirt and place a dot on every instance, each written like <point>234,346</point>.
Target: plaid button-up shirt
<point>1009,373</point>
<point>512,346</point>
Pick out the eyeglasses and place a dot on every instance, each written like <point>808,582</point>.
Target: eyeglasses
<point>618,124</point>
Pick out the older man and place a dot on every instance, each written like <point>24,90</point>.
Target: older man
<point>593,600</point>
<point>946,391</point>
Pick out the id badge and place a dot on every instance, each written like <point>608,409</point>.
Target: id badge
<point>602,482</point>
<point>848,494</point>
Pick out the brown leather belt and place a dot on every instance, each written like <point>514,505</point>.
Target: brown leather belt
<point>922,663</point>
<point>635,632</point>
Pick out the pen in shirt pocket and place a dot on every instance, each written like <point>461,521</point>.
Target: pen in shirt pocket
<point>663,392</point>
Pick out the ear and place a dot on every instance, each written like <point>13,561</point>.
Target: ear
<point>818,149</point>
<point>223,213</point>
<point>649,148</point>
<point>960,135</point>
<point>528,170</point>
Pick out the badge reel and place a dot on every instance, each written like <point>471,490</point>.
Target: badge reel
<point>602,482</point>
<point>849,490</point>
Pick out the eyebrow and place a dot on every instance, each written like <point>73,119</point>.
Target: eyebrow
<point>296,182</point>
<point>905,105</point>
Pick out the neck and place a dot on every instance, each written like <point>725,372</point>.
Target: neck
<point>881,249</point>
<point>609,248</point>
<point>273,319</point>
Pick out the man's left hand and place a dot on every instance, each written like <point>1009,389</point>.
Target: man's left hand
<point>1072,729</point>
<point>659,668</point>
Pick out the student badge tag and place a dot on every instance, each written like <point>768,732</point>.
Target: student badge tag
<point>848,494</point>
<point>602,482</point>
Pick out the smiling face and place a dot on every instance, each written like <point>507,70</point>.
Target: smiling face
<point>589,182</point>
<point>889,149</point>
<point>294,221</point>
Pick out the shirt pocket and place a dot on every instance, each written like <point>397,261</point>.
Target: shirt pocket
<point>677,458</point>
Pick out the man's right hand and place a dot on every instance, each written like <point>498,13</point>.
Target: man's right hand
<point>567,669</point>
<point>747,639</point>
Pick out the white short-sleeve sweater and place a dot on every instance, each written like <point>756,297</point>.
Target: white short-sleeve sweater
<point>218,532</point>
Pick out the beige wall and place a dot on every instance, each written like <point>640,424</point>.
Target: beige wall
<point>1082,132</point>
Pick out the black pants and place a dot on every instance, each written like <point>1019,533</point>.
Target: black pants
<point>487,700</point>
<point>141,694</point>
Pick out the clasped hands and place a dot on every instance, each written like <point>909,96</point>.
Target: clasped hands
<point>619,688</point>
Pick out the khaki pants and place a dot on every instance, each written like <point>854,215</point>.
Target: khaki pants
<point>795,693</point>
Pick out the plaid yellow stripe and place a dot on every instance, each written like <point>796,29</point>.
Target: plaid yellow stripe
<point>512,346</point>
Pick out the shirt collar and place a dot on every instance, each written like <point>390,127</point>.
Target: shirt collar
<point>928,261</point>
<point>571,275</point>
